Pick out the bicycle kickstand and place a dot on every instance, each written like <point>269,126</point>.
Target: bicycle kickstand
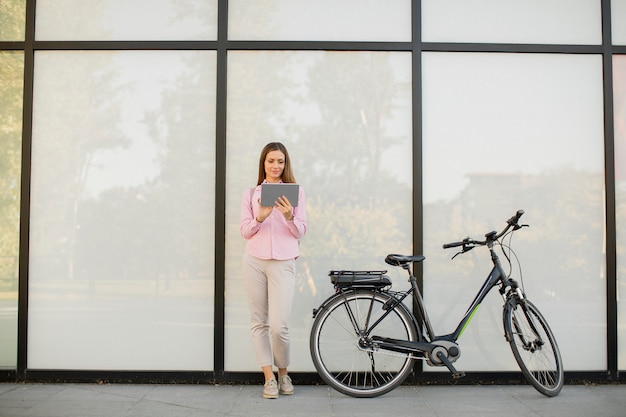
<point>455,374</point>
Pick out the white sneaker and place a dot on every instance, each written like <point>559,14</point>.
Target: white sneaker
<point>270,390</point>
<point>285,384</point>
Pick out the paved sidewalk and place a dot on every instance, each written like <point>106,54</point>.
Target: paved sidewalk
<point>87,400</point>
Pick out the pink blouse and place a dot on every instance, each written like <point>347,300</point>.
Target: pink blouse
<point>275,237</point>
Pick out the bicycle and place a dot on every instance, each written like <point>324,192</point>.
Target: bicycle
<point>364,340</point>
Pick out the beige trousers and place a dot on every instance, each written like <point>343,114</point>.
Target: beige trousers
<point>270,286</point>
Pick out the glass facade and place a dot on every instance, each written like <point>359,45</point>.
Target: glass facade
<point>618,21</point>
<point>11,87</point>
<point>141,150</point>
<point>322,20</point>
<point>144,20</point>
<point>121,237</point>
<point>570,22</point>
<point>12,20</point>
<point>346,121</point>
<point>619,103</point>
<point>504,132</point>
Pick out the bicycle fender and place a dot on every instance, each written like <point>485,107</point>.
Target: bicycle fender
<point>328,300</point>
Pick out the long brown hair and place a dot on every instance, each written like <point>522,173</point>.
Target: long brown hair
<point>287,172</point>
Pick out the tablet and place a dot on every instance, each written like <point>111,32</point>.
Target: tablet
<point>271,192</point>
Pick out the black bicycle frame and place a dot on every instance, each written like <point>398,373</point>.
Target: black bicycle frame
<point>496,275</point>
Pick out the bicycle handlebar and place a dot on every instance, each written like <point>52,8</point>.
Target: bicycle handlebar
<point>468,243</point>
<point>454,244</point>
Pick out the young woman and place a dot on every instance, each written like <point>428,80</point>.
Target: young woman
<point>269,266</point>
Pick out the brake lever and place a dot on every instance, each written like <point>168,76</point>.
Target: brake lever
<point>519,226</point>
<point>466,248</point>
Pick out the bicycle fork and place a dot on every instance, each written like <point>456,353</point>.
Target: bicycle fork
<point>531,340</point>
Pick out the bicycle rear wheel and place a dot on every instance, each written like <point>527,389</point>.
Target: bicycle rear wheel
<point>534,346</point>
<point>342,349</point>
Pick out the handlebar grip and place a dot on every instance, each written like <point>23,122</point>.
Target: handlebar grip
<point>452,245</point>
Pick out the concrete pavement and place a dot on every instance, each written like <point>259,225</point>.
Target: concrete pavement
<point>120,400</point>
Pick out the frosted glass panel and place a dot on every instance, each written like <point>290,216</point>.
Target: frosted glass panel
<point>619,98</point>
<point>126,20</point>
<point>12,20</point>
<point>504,132</point>
<point>122,214</point>
<point>346,121</point>
<point>618,21</point>
<point>322,20</point>
<point>11,88</point>
<point>532,21</point>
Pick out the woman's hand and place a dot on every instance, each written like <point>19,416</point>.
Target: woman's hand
<point>264,212</point>
<point>284,206</point>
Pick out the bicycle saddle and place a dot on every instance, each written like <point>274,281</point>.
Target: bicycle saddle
<point>399,260</point>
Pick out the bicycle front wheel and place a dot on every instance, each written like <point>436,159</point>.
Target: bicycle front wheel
<point>534,346</point>
<point>342,348</point>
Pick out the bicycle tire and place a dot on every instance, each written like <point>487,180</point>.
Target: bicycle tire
<point>534,346</point>
<point>337,356</point>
